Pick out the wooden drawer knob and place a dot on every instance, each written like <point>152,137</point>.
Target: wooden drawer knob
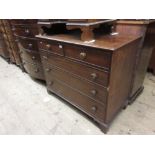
<point>13,28</point>
<point>94,108</point>
<point>60,46</point>
<point>30,45</point>
<point>48,69</point>
<point>94,76</point>
<point>48,46</point>
<point>93,92</point>
<point>16,40</point>
<point>33,57</point>
<point>27,31</point>
<point>45,57</point>
<point>82,55</point>
<point>36,70</point>
<point>50,83</point>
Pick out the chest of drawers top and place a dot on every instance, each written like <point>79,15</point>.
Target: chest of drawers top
<point>23,21</point>
<point>104,42</point>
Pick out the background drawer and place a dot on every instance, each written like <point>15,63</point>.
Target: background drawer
<point>27,43</point>
<point>87,72</point>
<point>34,70</point>
<point>82,102</point>
<point>31,56</point>
<point>91,56</point>
<point>25,31</point>
<point>23,21</point>
<point>95,92</point>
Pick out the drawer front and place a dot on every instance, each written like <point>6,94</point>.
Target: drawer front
<point>25,31</point>
<point>91,56</point>
<point>5,36</point>
<point>35,71</point>
<point>30,44</point>
<point>23,21</point>
<point>54,48</point>
<point>31,56</point>
<point>2,44</point>
<point>82,102</point>
<point>2,29</point>
<point>10,38</point>
<point>2,52</point>
<point>84,71</point>
<point>95,92</point>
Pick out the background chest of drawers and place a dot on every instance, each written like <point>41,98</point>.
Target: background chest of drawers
<point>12,45</point>
<point>146,28</point>
<point>3,49</point>
<point>4,44</point>
<point>88,75</point>
<point>25,31</point>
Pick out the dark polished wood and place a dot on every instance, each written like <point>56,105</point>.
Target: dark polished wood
<point>152,62</point>
<point>34,70</point>
<point>12,44</point>
<point>23,21</point>
<point>146,28</point>
<point>3,46</point>
<point>91,89</point>
<point>88,72</point>
<point>3,49</point>
<point>30,56</point>
<point>25,31</point>
<point>94,77</point>
<point>28,43</point>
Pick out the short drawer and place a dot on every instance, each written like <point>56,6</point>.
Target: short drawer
<point>96,57</point>
<point>85,71</point>
<point>27,43</point>
<point>35,71</point>
<point>54,48</point>
<point>31,56</point>
<point>96,92</point>
<point>25,31</point>
<point>80,101</point>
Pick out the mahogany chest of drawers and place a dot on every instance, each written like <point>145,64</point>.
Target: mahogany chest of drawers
<point>25,31</point>
<point>11,42</point>
<point>94,77</point>
<point>4,52</point>
<point>146,28</point>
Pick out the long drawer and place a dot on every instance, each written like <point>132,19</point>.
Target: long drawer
<point>35,71</point>
<point>2,43</point>
<point>95,92</point>
<point>82,102</point>
<point>85,71</point>
<point>31,56</point>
